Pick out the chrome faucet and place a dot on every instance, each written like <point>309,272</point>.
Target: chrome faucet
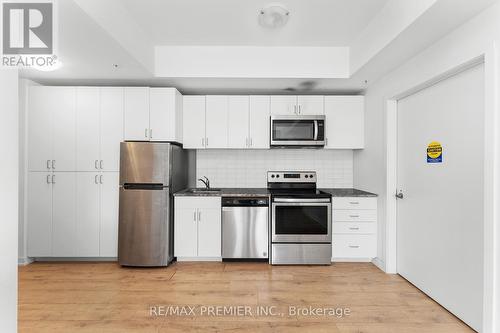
<point>205,181</point>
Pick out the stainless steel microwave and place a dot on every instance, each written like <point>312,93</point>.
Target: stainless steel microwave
<point>305,131</point>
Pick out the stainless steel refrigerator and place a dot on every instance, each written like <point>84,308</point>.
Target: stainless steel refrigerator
<point>149,175</point>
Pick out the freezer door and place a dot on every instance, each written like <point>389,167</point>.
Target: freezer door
<point>145,163</point>
<point>145,233</point>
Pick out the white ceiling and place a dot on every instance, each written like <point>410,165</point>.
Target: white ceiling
<point>235,22</point>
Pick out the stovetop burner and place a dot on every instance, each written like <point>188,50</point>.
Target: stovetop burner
<point>299,193</point>
<point>294,184</point>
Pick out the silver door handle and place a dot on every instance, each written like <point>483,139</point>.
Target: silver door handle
<point>400,195</point>
<point>95,179</point>
<point>53,179</point>
<point>146,133</point>
<point>101,164</point>
<point>48,164</point>
<point>53,164</point>
<point>100,179</point>
<point>48,179</point>
<point>316,130</point>
<point>95,164</point>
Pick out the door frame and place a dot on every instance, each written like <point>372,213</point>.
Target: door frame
<point>491,289</point>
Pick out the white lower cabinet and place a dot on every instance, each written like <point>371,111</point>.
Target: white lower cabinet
<point>354,229</point>
<point>72,214</point>
<point>197,228</point>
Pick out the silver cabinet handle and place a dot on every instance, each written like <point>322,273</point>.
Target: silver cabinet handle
<point>53,179</point>
<point>354,216</point>
<point>194,215</point>
<point>353,228</point>
<point>203,142</point>
<point>251,142</point>
<point>95,164</point>
<point>150,133</point>
<point>354,246</point>
<point>53,164</point>
<point>295,109</point>
<point>95,179</point>
<point>145,132</point>
<point>354,203</point>
<point>206,140</point>
<point>48,164</point>
<point>300,111</point>
<point>199,216</point>
<point>326,141</point>
<point>48,179</point>
<point>100,179</point>
<point>246,142</point>
<point>101,163</point>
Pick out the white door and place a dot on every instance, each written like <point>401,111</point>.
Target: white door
<point>111,125</point>
<point>310,105</point>
<point>136,113</point>
<point>39,214</point>
<point>283,105</point>
<point>193,122</point>
<point>185,232</point>
<point>64,125</point>
<point>345,122</point>
<point>64,214</point>
<point>109,183</point>
<point>87,129</point>
<point>87,214</point>
<point>162,114</point>
<point>209,232</point>
<point>440,218</point>
<point>237,124</point>
<point>41,103</point>
<point>216,121</point>
<point>260,122</point>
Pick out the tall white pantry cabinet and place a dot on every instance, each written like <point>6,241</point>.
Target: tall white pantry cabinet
<point>74,134</point>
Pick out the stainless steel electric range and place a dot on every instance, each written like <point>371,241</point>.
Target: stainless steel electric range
<point>301,219</point>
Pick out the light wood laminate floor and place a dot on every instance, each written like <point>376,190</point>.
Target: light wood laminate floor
<point>103,297</point>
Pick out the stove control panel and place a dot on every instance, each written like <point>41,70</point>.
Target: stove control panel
<point>291,176</point>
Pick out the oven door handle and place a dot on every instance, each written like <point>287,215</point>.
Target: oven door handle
<point>316,130</point>
<point>320,200</point>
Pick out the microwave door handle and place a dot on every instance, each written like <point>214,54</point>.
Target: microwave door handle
<point>316,130</point>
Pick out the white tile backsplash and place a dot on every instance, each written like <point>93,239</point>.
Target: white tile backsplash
<point>248,168</point>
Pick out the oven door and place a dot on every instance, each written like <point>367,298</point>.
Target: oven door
<point>297,131</point>
<point>301,220</point>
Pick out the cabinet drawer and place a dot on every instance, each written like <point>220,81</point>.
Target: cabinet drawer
<point>197,202</point>
<point>354,203</point>
<point>354,215</point>
<point>354,246</point>
<point>354,228</point>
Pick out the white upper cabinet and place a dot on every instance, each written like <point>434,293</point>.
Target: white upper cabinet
<point>87,128</point>
<point>165,113</point>
<point>238,122</point>
<point>216,121</point>
<point>111,128</point>
<point>310,105</point>
<point>51,129</point>
<point>259,115</point>
<point>283,105</point>
<point>136,113</point>
<point>193,122</point>
<point>344,128</point>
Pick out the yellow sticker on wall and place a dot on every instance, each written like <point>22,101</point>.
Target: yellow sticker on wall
<point>434,152</point>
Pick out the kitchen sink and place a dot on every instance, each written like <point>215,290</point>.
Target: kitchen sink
<point>204,190</point>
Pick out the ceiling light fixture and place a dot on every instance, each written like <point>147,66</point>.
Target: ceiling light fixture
<point>273,16</point>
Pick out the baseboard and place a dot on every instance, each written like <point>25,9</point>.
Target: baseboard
<point>24,261</point>
<point>199,259</point>
<point>379,263</point>
<point>351,259</point>
<point>82,259</point>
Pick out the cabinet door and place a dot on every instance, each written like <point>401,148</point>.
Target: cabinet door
<point>237,124</point>
<point>64,125</point>
<point>216,122</point>
<point>209,232</point>
<point>111,124</point>
<point>109,214</point>
<point>283,105</point>
<point>87,129</point>
<point>310,105</point>
<point>344,126</point>
<point>87,214</point>
<point>185,232</point>
<point>193,122</point>
<point>64,214</point>
<point>39,214</point>
<point>259,122</point>
<point>136,113</point>
<point>41,103</point>
<point>162,113</point>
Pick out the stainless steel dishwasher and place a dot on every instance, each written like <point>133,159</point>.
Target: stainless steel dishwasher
<point>245,228</point>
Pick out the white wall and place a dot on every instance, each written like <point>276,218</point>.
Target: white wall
<point>9,168</point>
<point>370,165</point>
<point>248,168</point>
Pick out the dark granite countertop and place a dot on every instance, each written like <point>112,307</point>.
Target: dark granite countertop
<point>259,192</point>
